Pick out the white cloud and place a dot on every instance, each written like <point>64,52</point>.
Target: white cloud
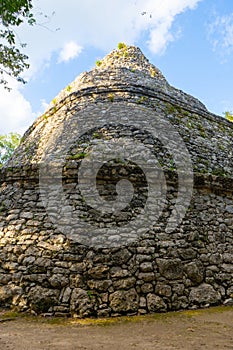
<point>100,24</point>
<point>69,51</point>
<point>220,33</point>
<point>15,110</point>
<point>44,106</point>
<point>160,17</point>
<point>16,113</point>
<point>159,38</point>
<point>90,23</point>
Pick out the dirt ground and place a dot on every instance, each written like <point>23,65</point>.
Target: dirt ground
<point>189,330</point>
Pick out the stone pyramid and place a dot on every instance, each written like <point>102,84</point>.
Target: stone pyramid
<point>119,199</point>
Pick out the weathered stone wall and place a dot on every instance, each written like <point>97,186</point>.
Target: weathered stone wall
<point>130,79</point>
<point>44,270</point>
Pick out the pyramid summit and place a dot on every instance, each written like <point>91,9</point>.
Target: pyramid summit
<point>124,75</point>
<point>129,57</point>
<point>127,66</point>
<point>119,199</point>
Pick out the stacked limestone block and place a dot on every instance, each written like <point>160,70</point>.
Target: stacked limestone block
<point>43,270</point>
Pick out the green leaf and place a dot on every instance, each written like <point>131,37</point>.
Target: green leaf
<point>8,144</point>
<point>12,14</point>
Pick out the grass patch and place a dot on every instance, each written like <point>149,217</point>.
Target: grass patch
<point>104,322</point>
<point>78,156</point>
<point>11,314</point>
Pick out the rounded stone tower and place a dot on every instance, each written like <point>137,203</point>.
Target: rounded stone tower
<point>118,199</point>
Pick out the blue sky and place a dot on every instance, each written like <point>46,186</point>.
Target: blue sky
<point>190,41</point>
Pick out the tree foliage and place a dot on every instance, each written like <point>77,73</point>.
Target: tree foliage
<point>8,143</point>
<point>12,61</point>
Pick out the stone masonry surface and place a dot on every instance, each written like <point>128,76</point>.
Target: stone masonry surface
<point>44,271</point>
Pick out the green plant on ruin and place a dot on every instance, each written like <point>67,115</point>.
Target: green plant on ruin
<point>28,150</point>
<point>98,63</point>
<point>3,207</point>
<point>54,102</point>
<point>153,72</point>
<point>179,109</point>
<point>90,294</point>
<point>173,109</point>
<point>121,46</point>
<point>111,97</point>
<point>78,156</point>
<point>96,135</point>
<point>170,109</point>
<point>172,166</point>
<point>228,115</point>
<point>219,172</point>
<point>68,88</point>
<point>201,171</point>
<point>223,128</point>
<point>142,99</point>
<point>201,130</point>
<point>190,125</point>
<point>185,113</point>
<point>221,147</point>
<point>203,134</point>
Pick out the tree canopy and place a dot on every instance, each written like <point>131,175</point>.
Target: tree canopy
<point>8,143</point>
<point>12,61</point>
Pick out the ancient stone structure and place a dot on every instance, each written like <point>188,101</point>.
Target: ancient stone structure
<point>47,266</point>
